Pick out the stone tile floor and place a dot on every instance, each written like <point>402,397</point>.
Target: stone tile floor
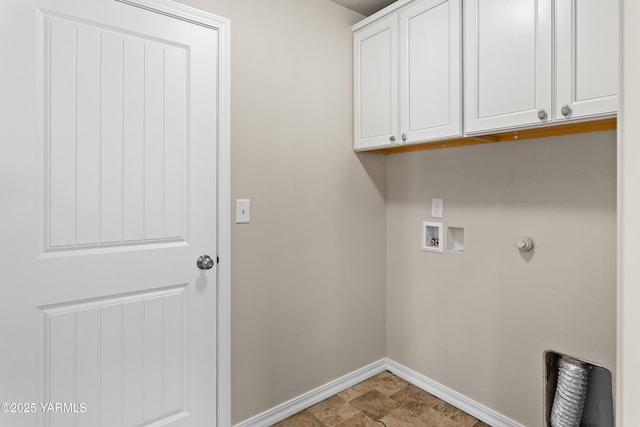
<point>383,400</point>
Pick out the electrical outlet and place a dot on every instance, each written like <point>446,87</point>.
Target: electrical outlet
<point>436,208</point>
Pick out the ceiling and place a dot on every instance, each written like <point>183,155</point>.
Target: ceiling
<point>365,7</point>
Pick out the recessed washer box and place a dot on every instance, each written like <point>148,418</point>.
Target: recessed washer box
<point>432,240</point>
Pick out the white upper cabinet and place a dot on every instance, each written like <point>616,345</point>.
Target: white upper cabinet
<point>430,96</point>
<point>407,75</point>
<point>511,62</point>
<point>508,67</point>
<point>526,63</point>
<point>376,84</point>
<point>586,58</point>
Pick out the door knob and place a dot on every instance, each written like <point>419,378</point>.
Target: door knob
<point>565,110</point>
<point>392,138</point>
<point>204,262</point>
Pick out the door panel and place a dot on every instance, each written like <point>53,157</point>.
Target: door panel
<point>508,74</point>
<point>87,300</point>
<point>430,95</point>
<point>587,59</point>
<point>428,33</point>
<point>376,84</point>
<point>89,145</point>
<point>129,170</point>
<point>135,340</point>
<point>87,120</point>
<point>513,74</point>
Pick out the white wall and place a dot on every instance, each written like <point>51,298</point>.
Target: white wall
<point>479,322</point>
<point>308,273</point>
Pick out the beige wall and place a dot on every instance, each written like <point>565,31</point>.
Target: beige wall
<point>308,273</point>
<point>478,322</point>
<point>628,410</point>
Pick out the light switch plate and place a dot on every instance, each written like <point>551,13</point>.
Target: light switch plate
<point>243,211</point>
<point>436,208</point>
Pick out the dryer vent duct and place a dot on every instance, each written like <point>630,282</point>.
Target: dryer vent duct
<point>571,393</point>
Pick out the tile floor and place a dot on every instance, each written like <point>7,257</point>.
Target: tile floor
<point>383,400</point>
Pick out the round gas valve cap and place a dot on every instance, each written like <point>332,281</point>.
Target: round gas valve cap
<point>525,243</point>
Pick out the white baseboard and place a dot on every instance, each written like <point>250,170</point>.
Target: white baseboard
<point>295,405</point>
<point>314,396</point>
<point>452,397</point>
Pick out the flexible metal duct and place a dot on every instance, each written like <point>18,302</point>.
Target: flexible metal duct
<point>571,392</point>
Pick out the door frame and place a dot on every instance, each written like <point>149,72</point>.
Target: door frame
<point>223,269</point>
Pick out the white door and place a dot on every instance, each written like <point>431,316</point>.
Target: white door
<point>508,74</point>
<point>121,320</point>
<point>430,96</point>
<point>586,58</point>
<point>375,64</point>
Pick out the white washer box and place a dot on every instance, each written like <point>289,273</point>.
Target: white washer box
<point>432,238</point>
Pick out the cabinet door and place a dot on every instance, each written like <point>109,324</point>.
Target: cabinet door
<point>430,105</point>
<point>376,85</point>
<point>586,58</point>
<point>508,74</point>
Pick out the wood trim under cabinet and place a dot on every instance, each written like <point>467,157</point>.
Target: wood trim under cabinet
<point>514,135</point>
